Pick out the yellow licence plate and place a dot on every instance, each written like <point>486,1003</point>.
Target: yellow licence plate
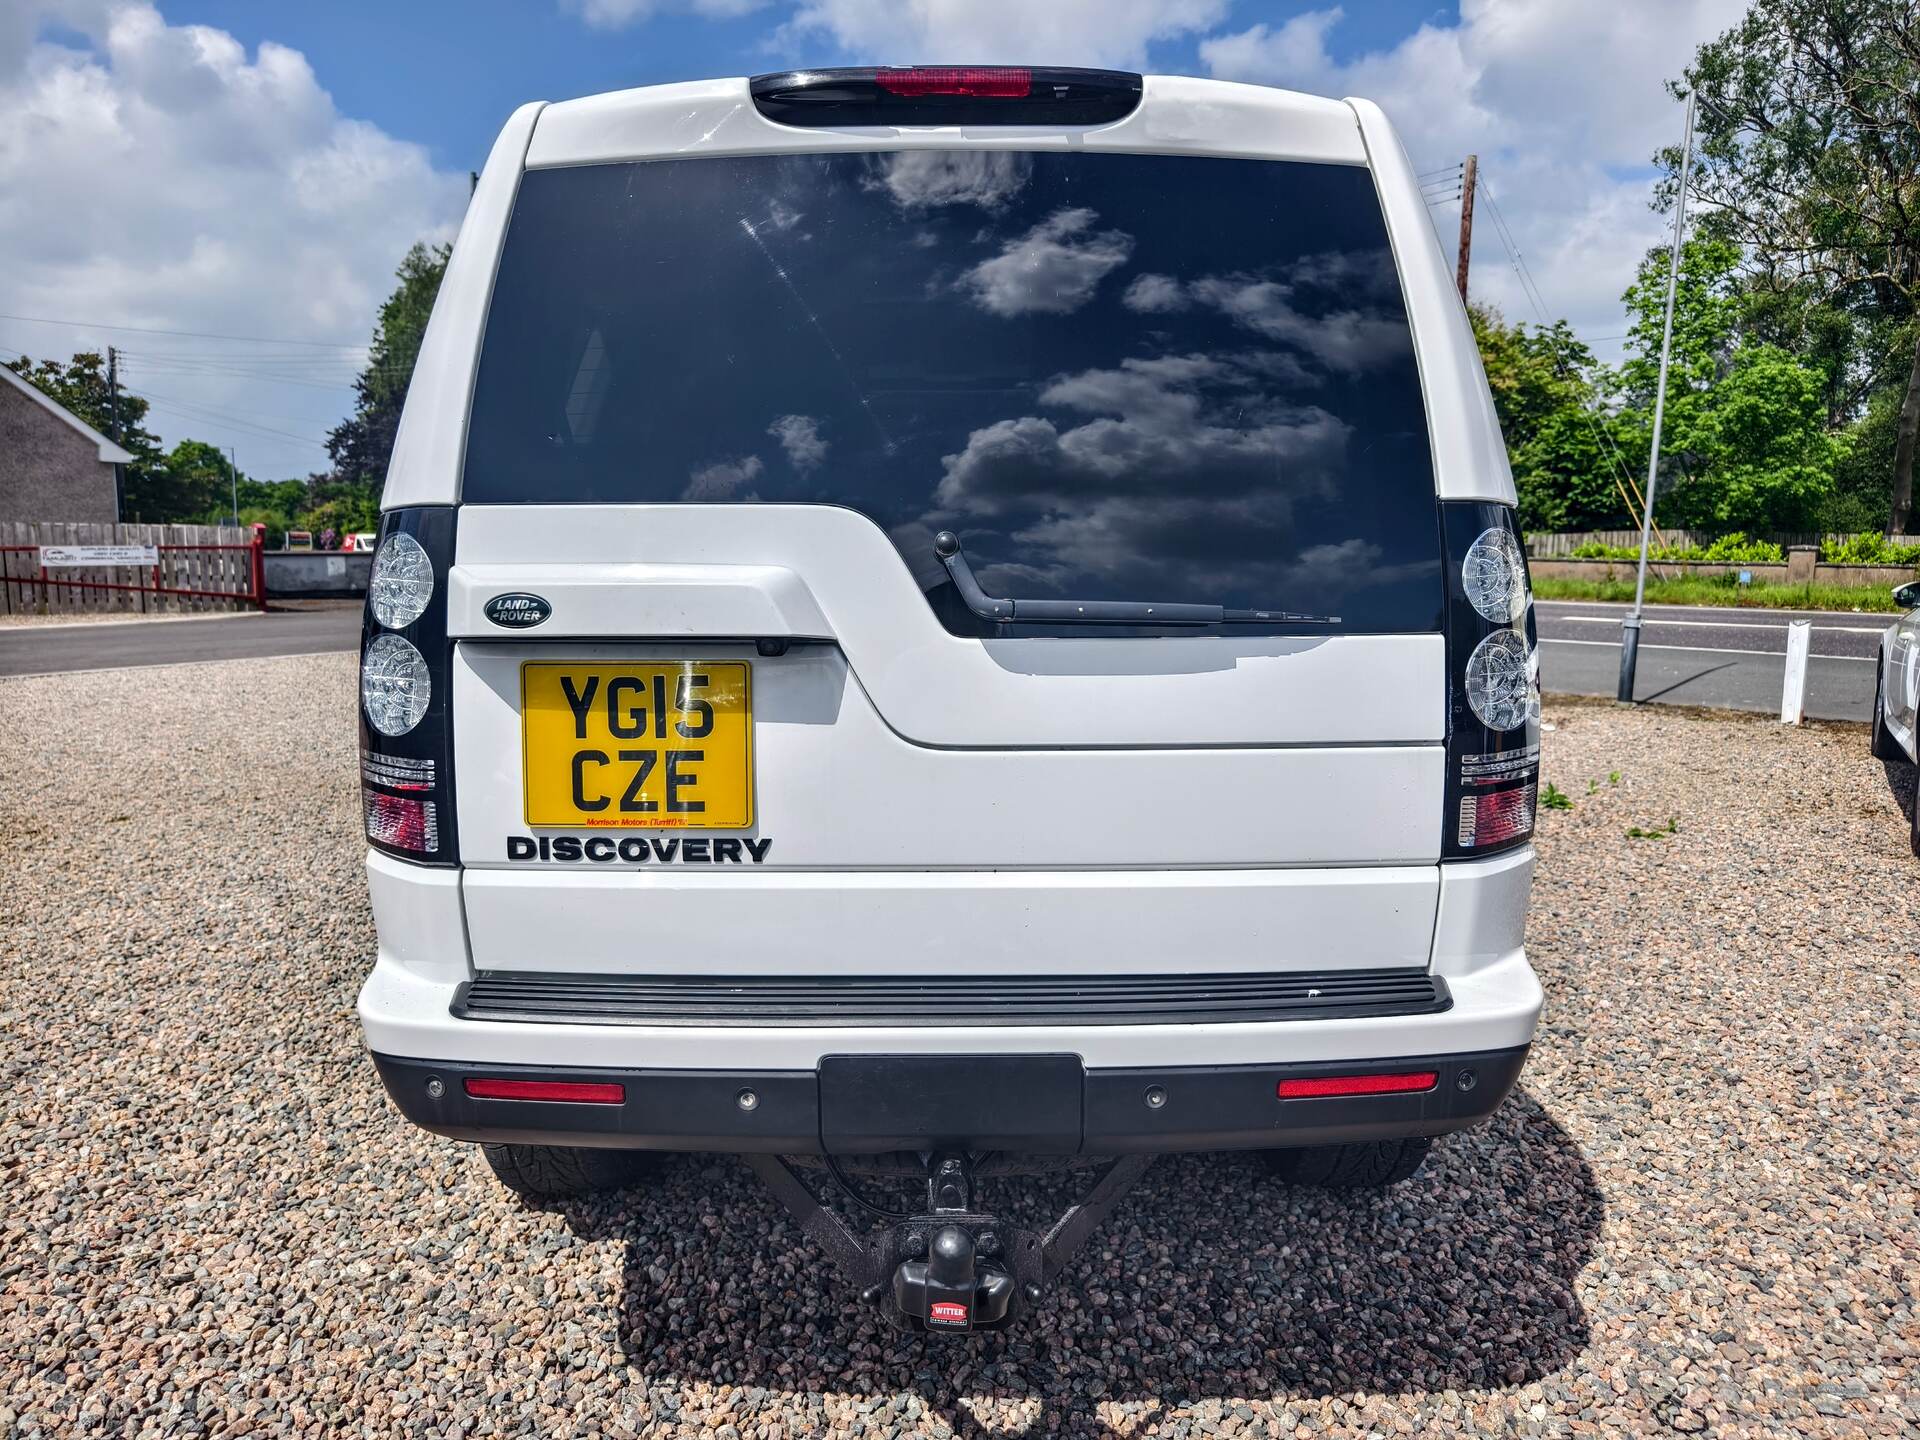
<point>652,745</point>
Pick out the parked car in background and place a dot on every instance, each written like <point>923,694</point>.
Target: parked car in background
<point>359,540</point>
<point>942,619</point>
<point>1896,694</point>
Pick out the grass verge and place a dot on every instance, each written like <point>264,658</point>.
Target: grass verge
<point>1857,599</point>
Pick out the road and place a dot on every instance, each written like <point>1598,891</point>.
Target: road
<point>1703,655</point>
<point>53,649</point>
<point>1688,655</point>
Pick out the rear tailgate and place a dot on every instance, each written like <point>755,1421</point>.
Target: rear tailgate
<point>724,406</point>
<point>1005,802</point>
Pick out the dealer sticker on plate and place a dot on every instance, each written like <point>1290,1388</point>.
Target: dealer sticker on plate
<point>638,745</point>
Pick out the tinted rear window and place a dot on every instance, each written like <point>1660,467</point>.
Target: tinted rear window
<point>1116,377</point>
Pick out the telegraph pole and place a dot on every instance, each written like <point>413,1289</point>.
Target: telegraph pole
<point>233,470</point>
<point>1470,171</point>
<point>1630,627</point>
<point>113,425</point>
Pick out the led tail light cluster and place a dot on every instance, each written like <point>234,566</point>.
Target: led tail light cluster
<point>1493,669</point>
<point>406,728</point>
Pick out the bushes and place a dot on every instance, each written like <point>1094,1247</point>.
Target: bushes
<point>1740,548</point>
<point>1737,548</point>
<point>1868,550</point>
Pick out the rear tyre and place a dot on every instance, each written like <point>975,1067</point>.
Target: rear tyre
<point>1350,1167</point>
<point>560,1172</point>
<point>1885,747</point>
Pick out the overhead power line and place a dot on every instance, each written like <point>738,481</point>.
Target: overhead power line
<point>189,334</point>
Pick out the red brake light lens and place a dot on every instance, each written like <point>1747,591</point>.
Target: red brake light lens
<point>568,1091</point>
<point>996,82</point>
<point>402,821</point>
<point>1494,819</point>
<point>1327,1087</point>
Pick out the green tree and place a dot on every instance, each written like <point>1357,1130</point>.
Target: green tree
<point>362,445</point>
<point>1809,161</point>
<point>200,481</point>
<point>1543,383</point>
<point>1745,441</point>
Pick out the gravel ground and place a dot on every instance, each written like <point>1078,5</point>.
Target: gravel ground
<point>1696,1213</point>
<point>104,617</point>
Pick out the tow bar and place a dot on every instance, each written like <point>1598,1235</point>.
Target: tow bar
<point>953,1268</point>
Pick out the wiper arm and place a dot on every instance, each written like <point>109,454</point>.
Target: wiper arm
<point>1096,612</point>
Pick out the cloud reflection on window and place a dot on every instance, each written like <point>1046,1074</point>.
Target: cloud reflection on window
<point>1053,269</point>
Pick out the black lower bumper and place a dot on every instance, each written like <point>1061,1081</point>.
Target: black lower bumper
<point>869,1104</point>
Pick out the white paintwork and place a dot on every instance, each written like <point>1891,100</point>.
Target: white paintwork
<point>405,1014</point>
<point>836,787</point>
<point>620,598</point>
<point>1177,115</point>
<point>594,918</point>
<point>1900,682</point>
<point>1469,453</point>
<point>941,804</point>
<point>940,689</point>
<point>432,439</point>
<point>417,912</point>
<point>1483,913</point>
<point>1793,687</point>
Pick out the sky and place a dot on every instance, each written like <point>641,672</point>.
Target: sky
<point>221,189</point>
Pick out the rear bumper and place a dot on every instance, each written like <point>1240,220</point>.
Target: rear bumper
<point>1048,1104</point>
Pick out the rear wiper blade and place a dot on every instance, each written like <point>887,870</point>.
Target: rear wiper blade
<point>1097,612</point>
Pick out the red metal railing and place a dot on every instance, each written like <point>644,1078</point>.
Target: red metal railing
<point>256,574</point>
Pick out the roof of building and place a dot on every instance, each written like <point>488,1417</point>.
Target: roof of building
<point>110,453</point>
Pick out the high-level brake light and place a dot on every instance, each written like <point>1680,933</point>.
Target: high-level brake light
<point>917,96</point>
<point>1003,82</point>
<point>1328,1087</point>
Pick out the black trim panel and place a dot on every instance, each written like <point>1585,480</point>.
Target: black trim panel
<point>995,1000</point>
<point>1145,1110</point>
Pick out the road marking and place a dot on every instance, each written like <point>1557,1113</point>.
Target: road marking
<point>1728,625</point>
<point>1623,605</point>
<point>1708,650</point>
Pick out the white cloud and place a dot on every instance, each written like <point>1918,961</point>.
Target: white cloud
<point>1563,100</point>
<point>1051,270</point>
<point>799,436</point>
<point>724,479</point>
<point>1053,32</point>
<point>618,14</point>
<point>927,178</point>
<point>162,178</point>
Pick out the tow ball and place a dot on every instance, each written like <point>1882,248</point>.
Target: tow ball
<point>953,1268</point>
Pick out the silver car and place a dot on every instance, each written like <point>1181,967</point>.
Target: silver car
<point>1896,696</point>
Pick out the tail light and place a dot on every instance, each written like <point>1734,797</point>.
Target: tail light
<point>406,712</point>
<point>947,95</point>
<point>1493,669</point>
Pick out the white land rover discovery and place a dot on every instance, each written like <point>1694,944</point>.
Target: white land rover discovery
<point>938,618</point>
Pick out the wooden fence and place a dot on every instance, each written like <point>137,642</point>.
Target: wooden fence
<point>201,569</point>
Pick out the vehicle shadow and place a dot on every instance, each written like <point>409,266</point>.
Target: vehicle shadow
<point>1903,781</point>
<point>1211,1280</point>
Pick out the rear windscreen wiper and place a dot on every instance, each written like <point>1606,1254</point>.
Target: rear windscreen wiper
<point>1097,612</point>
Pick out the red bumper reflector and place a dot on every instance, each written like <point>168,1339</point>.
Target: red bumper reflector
<point>997,82</point>
<point>570,1091</point>
<point>1323,1087</point>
